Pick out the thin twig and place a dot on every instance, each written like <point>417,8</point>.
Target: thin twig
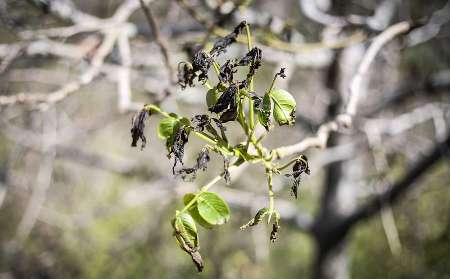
<point>160,41</point>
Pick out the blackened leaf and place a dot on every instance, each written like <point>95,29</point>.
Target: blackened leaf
<point>254,56</point>
<point>257,219</point>
<point>221,44</point>
<point>231,113</point>
<point>252,59</point>
<point>213,209</point>
<point>284,107</point>
<point>227,71</point>
<point>167,127</point>
<point>189,174</point>
<point>225,100</point>
<point>275,228</point>
<point>137,127</point>
<point>186,75</point>
<point>300,166</point>
<point>226,172</point>
<point>200,122</point>
<point>180,139</point>
<point>193,210</point>
<point>201,63</point>
<point>281,73</point>
<point>203,159</point>
<point>295,186</point>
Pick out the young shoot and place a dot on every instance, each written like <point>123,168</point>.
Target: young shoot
<point>230,100</point>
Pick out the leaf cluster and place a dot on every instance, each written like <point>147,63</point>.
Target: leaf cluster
<point>229,100</point>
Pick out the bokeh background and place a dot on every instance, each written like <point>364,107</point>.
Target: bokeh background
<point>76,201</point>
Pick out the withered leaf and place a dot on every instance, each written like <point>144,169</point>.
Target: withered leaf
<point>189,174</point>
<point>253,59</point>
<point>186,75</point>
<point>225,100</point>
<point>137,128</point>
<point>227,70</point>
<point>200,122</point>
<point>226,172</point>
<point>179,141</point>
<point>231,113</point>
<point>300,166</point>
<point>274,232</point>
<point>201,63</point>
<point>281,73</point>
<point>221,44</point>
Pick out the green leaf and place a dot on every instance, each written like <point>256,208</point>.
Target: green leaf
<point>193,210</point>
<point>284,107</point>
<point>166,127</point>
<point>264,115</point>
<point>185,228</point>
<point>213,209</point>
<point>211,97</point>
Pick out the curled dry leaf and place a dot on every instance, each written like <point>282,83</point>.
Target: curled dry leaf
<point>137,127</point>
<point>221,44</point>
<point>300,166</point>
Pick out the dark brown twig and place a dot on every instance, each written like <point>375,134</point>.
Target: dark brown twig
<point>163,46</point>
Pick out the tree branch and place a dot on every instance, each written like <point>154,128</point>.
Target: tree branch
<point>390,196</point>
<point>355,88</point>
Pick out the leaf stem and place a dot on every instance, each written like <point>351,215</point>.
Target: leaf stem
<point>205,137</point>
<point>202,190</point>
<point>251,102</point>
<point>153,108</point>
<point>272,85</point>
<point>287,164</point>
<point>208,85</point>
<point>271,194</point>
<point>216,67</point>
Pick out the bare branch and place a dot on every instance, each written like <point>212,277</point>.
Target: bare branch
<point>345,120</point>
<point>355,87</point>
<point>56,96</point>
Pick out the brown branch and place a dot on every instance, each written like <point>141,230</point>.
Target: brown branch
<point>161,42</point>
